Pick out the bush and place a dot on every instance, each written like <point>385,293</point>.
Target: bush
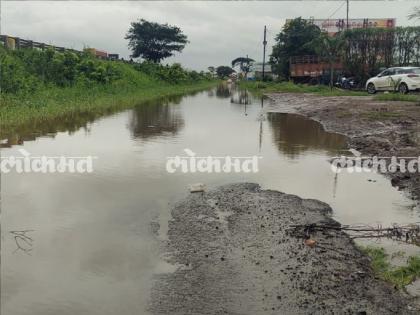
<point>172,74</point>
<point>27,70</point>
<point>13,76</point>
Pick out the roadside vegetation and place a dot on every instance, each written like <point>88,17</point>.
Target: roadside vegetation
<point>39,85</point>
<point>398,276</point>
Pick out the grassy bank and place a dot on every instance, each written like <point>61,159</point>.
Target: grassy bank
<point>398,97</point>
<point>399,276</point>
<point>38,86</point>
<point>289,87</point>
<point>57,103</point>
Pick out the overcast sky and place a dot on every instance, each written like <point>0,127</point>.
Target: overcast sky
<point>218,31</point>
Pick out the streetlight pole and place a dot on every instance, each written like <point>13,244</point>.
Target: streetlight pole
<point>264,44</point>
<point>347,25</point>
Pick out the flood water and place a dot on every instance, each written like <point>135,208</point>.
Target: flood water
<point>96,236</point>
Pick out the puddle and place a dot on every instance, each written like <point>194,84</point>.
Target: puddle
<point>93,232</point>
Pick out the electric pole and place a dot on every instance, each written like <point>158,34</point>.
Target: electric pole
<point>264,44</point>
<point>347,26</point>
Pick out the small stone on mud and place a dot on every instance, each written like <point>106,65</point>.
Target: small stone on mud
<point>197,188</point>
<point>310,243</point>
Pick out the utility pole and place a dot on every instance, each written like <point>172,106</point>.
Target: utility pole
<point>264,44</point>
<point>347,25</point>
<point>247,67</point>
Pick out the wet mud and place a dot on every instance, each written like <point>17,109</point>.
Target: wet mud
<point>236,255</point>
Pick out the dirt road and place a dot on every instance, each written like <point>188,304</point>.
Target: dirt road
<point>236,256</point>
<point>374,128</point>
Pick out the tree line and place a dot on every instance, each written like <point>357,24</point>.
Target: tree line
<point>362,52</point>
<point>27,70</point>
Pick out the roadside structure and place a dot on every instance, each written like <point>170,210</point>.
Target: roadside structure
<point>333,26</point>
<point>256,71</point>
<point>315,70</point>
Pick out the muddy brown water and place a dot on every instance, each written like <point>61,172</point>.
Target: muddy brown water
<point>96,237</point>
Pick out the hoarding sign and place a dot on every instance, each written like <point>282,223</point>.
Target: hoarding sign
<point>335,25</point>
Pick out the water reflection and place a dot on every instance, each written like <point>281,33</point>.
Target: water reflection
<point>240,97</point>
<point>31,131</point>
<point>156,119</point>
<point>156,113</point>
<point>293,134</point>
<point>223,90</point>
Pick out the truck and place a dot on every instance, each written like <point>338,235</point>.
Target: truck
<point>312,69</point>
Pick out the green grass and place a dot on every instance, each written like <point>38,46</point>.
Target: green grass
<point>397,97</point>
<point>40,86</point>
<point>289,87</point>
<point>398,276</point>
<point>98,100</point>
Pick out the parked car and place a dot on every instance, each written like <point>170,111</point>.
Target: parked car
<point>402,79</point>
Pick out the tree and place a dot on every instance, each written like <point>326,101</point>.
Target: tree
<point>224,71</point>
<point>153,41</point>
<point>330,48</point>
<point>244,64</point>
<point>370,49</point>
<point>212,70</point>
<point>291,41</point>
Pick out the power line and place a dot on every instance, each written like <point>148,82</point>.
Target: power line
<point>336,10</point>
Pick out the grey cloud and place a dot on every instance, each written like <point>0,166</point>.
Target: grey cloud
<point>218,31</point>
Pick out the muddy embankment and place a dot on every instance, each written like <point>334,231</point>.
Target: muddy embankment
<point>374,128</point>
<point>236,256</point>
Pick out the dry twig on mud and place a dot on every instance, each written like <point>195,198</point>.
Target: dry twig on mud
<point>23,241</point>
<point>409,233</point>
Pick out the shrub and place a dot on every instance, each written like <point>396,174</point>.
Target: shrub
<point>27,70</point>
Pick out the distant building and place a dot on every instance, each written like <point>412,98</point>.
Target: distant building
<point>256,71</point>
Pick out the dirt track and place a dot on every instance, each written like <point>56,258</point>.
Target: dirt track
<point>236,256</point>
<point>374,128</point>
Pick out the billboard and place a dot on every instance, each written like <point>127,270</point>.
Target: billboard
<point>333,26</point>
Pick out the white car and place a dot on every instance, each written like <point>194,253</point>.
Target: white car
<point>402,79</point>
